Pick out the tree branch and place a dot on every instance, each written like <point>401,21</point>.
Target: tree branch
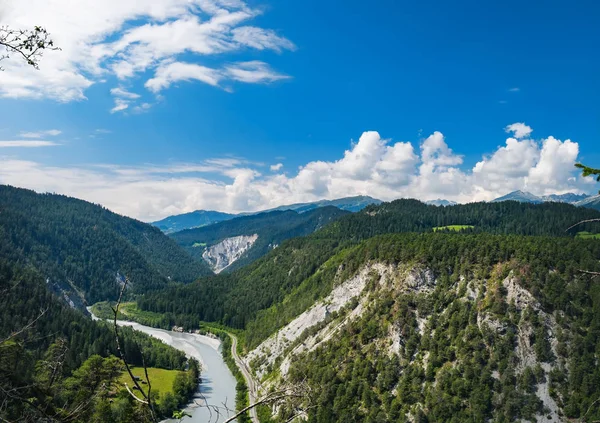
<point>24,328</point>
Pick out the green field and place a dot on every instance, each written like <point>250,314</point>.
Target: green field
<point>199,244</point>
<point>588,235</point>
<point>161,380</point>
<point>455,228</point>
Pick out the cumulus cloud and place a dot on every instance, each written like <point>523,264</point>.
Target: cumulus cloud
<point>373,166</point>
<point>520,130</point>
<point>128,39</point>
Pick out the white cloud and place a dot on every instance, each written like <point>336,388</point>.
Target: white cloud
<point>26,144</point>
<point>123,93</point>
<point>120,105</point>
<point>514,90</point>
<point>520,130</point>
<point>253,72</point>
<point>169,73</point>
<point>123,99</point>
<point>40,134</point>
<point>261,39</point>
<point>372,166</point>
<point>127,39</point>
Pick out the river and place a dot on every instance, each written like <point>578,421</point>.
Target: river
<point>218,384</point>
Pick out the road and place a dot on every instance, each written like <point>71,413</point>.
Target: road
<point>252,394</point>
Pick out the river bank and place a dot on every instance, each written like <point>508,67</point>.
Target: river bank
<point>218,385</point>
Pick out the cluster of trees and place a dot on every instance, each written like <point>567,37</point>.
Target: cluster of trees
<point>184,386</point>
<point>85,249</point>
<point>272,229</point>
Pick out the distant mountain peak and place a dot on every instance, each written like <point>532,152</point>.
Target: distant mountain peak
<point>441,202</point>
<point>521,196</point>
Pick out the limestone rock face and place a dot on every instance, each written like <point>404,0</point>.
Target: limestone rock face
<point>226,252</point>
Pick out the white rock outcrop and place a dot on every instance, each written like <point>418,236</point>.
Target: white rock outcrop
<point>226,252</point>
<point>275,346</point>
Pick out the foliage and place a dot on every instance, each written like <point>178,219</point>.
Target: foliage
<point>588,171</point>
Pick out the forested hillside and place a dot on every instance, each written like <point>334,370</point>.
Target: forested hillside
<point>449,327</point>
<point>272,229</point>
<point>509,217</point>
<point>84,249</point>
<point>269,280</point>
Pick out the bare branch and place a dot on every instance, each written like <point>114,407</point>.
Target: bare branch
<point>587,272</point>
<point>28,44</point>
<point>24,328</point>
<point>148,400</point>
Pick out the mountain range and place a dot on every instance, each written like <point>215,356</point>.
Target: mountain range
<point>527,197</point>
<point>201,218</point>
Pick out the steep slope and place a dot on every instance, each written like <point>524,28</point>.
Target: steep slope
<point>221,255</point>
<point>266,231</point>
<point>446,327</point>
<point>195,219</point>
<point>84,250</point>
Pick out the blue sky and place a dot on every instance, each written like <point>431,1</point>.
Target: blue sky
<point>300,83</point>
